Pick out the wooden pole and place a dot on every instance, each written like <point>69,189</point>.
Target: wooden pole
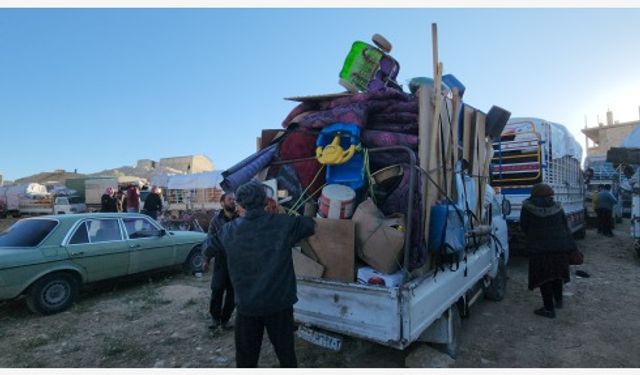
<point>453,153</point>
<point>434,42</point>
<point>424,134</point>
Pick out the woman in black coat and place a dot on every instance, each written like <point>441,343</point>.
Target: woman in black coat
<point>548,243</point>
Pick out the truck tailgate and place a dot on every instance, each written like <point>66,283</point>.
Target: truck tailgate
<point>371,313</point>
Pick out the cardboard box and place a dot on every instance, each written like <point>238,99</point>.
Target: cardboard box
<point>334,245</point>
<point>378,243</point>
<point>305,266</point>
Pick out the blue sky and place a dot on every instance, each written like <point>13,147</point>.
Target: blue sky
<point>100,88</point>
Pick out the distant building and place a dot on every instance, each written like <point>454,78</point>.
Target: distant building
<point>1,179</point>
<point>146,164</point>
<point>601,138</point>
<point>188,164</point>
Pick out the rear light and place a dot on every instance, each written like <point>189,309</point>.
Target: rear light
<point>375,280</point>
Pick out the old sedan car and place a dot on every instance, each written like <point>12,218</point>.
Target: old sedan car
<point>49,257</point>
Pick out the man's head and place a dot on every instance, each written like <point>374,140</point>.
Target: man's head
<point>251,195</point>
<point>542,191</point>
<point>228,202</point>
<point>600,187</point>
<point>607,187</point>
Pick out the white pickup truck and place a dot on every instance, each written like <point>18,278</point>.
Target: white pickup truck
<point>68,205</point>
<point>427,308</point>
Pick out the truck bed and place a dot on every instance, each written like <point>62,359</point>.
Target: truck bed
<point>395,317</point>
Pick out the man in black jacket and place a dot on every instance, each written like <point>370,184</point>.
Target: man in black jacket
<point>258,248</point>
<point>153,203</point>
<point>222,301</point>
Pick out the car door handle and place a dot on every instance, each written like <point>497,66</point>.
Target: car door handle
<point>136,246</point>
<point>77,253</point>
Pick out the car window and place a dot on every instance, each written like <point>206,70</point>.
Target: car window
<point>139,228</point>
<point>27,233</point>
<point>62,201</point>
<point>103,230</point>
<point>81,235</point>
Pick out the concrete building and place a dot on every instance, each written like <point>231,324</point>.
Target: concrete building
<point>188,164</point>
<point>601,138</point>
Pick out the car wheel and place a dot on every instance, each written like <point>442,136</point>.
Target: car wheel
<point>194,262</point>
<point>498,286</point>
<point>52,293</point>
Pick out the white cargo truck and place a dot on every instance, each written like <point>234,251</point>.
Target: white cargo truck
<point>532,151</point>
<point>95,188</point>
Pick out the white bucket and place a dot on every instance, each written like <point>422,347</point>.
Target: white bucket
<point>336,202</point>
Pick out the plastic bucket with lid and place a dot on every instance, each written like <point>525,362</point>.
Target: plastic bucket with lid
<point>336,202</point>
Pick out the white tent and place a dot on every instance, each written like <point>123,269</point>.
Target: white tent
<point>206,180</point>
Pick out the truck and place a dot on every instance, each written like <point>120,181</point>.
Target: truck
<point>627,159</point>
<point>425,308</point>
<point>600,172</point>
<point>420,303</point>
<point>531,151</point>
<point>26,199</point>
<point>95,188</point>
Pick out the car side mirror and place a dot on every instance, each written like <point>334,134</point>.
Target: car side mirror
<point>506,207</point>
<point>162,232</point>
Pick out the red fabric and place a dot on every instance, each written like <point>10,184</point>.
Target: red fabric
<point>301,144</point>
<point>133,198</point>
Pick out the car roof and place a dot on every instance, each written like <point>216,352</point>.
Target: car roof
<point>96,215</point>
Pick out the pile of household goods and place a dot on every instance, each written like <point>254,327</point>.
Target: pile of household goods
<point>349,159</point>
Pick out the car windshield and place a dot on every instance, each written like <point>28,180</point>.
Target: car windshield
<point>75,200</point>
<point>27,233</point>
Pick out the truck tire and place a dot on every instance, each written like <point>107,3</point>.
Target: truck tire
<point>52,293</point>
<point>453,348</point>
<point>498,286</point>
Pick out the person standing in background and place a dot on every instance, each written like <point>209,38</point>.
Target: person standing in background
<point>222,302</point>
<point>133,198</point>
<point>606,203</point>
<point>108,201</point>
<point>153,203</point>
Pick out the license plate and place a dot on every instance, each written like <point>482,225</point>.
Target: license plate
<point>320,339</point>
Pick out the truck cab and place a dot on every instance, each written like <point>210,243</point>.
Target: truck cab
<point>68,205</point>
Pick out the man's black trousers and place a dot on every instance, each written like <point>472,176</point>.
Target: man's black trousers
<point>222,301</point>
<point>249,333</point>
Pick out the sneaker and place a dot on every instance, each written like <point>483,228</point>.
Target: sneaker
<point>546,313</point>
<point>215,324</point>
<point>227,326</point>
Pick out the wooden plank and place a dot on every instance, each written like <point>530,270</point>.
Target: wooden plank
<point>467,129</point>
<point>437,123</point>
<point>480,161</point>
<point>455,106</point>
<point>425,116</point>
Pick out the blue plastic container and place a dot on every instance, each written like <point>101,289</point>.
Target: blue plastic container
<point>446,225</point>
<point>351,173</point>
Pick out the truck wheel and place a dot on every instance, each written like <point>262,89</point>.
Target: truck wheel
<point>580,234</point>
<point>453,348</point>
<point>498,286</point>
<point>52,293</point>
<point>194,262</point>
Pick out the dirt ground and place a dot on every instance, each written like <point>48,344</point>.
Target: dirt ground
<point>160,321</point>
